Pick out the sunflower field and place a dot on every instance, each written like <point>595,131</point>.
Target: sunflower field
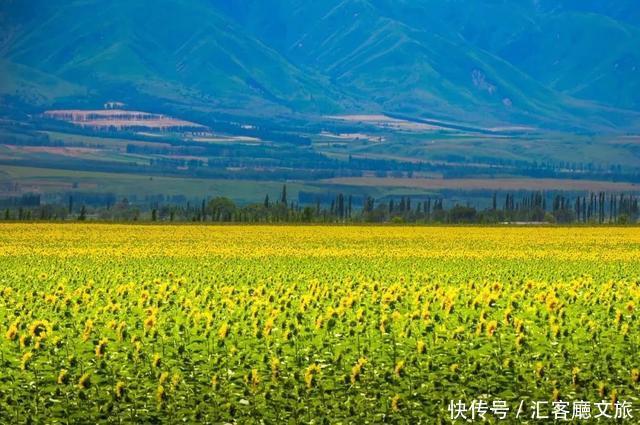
<point>287,324</point>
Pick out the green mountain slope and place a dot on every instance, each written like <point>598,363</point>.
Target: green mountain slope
<point>573,50</point>
<point>182,51</point>
<point>35,87</point>
<point>454,58</point>
<point>569,65</point>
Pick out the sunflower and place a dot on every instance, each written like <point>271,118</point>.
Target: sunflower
<point>119,390</point>
<point>275,368</point>
<point>63,377</point>
<point>223,331</point>
<point>356,370</point>
<point>161,394</point>
<point>101,346</point>
<point>12,332</point>
<point>397,370</point>
<point>156,361</point>
<point>26,360</point>
<point>421,347</point>
<point>310,375</point>
<point>85,381</point>
<point>492,326</point>
<point>39,327</point>
<point>395,403</point>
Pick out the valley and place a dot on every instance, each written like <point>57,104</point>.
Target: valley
<point>141,156</point>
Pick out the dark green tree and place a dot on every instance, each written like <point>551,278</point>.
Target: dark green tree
<point>221,209</point>
<point>83,213</point>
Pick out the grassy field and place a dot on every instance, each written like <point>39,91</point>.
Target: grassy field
<point>538,146</point>
<point>205,324</point>
<point>45,180</point>
<point>51,181</point>
<point>488,184</point>
<point>102,142</point>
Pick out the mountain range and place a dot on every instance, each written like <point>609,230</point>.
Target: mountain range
<point>562,64</point>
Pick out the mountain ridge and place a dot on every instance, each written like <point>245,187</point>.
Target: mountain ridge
<point>419,57</point>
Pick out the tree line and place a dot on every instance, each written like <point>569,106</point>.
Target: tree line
<point>533,207</point>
